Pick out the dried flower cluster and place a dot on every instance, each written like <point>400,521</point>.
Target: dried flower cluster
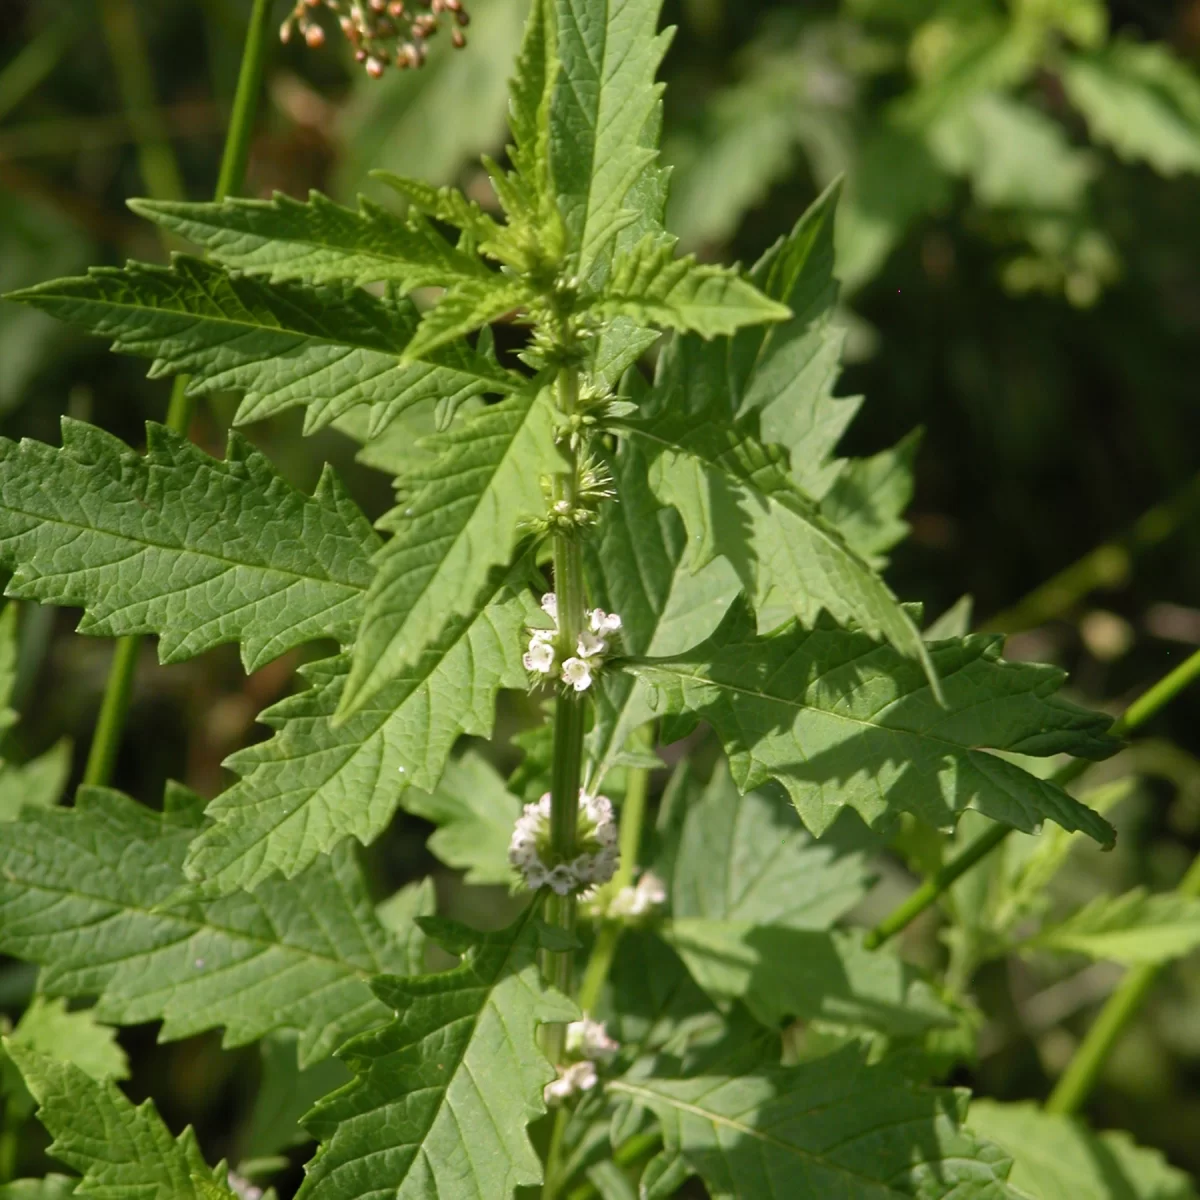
<point>382,32</point>
<point>588,1041</point>
<point>596,855</point>
<point>576,670</point>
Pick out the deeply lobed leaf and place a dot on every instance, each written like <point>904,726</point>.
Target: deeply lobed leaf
<point>200,551</point>
<point>80,893</point>
<point>318,781</point>
<point>442,1095</point>
<point>121,1151</point>
<point>477,499</point>
<point>841,720</point>
<point>316,240</point>
<point>326,347</point>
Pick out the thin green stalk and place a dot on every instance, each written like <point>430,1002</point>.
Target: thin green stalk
<point>633,814</point>
<point>115,705</point>
<point>1073,1088</point>
<point>1138,713</point>
<point>1108,565</point>
<point>37,59</point>
<point>9,1143</point>
<point>569,719</point>
<point>135,78</point>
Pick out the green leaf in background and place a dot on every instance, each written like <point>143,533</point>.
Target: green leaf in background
<point>1132,928</point>
<point>747,858</point>
<point>869,496</point>
<point>75,1037</point>
<point>653,287</point>
<point>121,1151</point>
<point>52,1187</point>
<point>317,782</point>
<point>830,1127</point>
<point>316,240</point>
<point>737,500</point>
<point>1141,100</point>
<point>636,566</point>
<point>1057,1158</point>
<point>476,501</point>
<point>323,346</point>
<point>200,551</point>
<point>249,963</point>
<point>442,1095</point>
<point>475,814</point>
<point>604,105</point>
<point>39,782</point>
<point>782,973</point>
<point>842,721</point>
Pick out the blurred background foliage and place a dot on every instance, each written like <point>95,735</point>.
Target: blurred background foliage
<point>1020,254</point>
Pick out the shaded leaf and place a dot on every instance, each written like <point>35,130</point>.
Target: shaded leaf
<point>841,721</point>
<point>442,1096</point>
<point>200,551</point>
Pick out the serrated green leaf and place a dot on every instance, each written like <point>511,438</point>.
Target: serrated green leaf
<point>1141,100</point>
<point>787,372</point>
<point>121,1151</point>
<point>869,496</point>
<point>249,963</point>
<point>446,204</point>
<point>317,240</point>
<point>323,346</point>
<point>636,567</point>
<point>465,307</point>
<point>747,858</point>
<point>442,1095</point>
<point>736,499</point>
<point>604,105</point>
<point>830,1127</point>
<point>653,287</point>
<point>1057,1158</point>
<point>465,520</point>
<point>316,782</point>
<point>1132,928</point>
<point>475,814</point>
<point>841,720</point>
<point>197,550</point>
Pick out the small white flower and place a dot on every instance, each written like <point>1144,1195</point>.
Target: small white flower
<point>578,1077</point>
<point>562,879</point>
<point>578,673</point>
<point>589,1039</point>
<point>550,606</point>
<point>649,894</point>
<point>602,622</point>
<point>590,646</point>
<point>540,656</point>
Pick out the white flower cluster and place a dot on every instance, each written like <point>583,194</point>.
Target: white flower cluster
<point>631,902</point>
<point>588,1040</point>
<point>595,839</point>
<point>590,647</point>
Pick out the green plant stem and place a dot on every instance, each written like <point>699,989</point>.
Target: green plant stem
<point>115,705</point>
<point>9,1145</point>
<point>135,78</point>
<point>570,715</point>
<point>37,59</point>
<point>1108,565</point>
<point>1140,711</point>
<point>633,815</point>
<point>1075,1085</point>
